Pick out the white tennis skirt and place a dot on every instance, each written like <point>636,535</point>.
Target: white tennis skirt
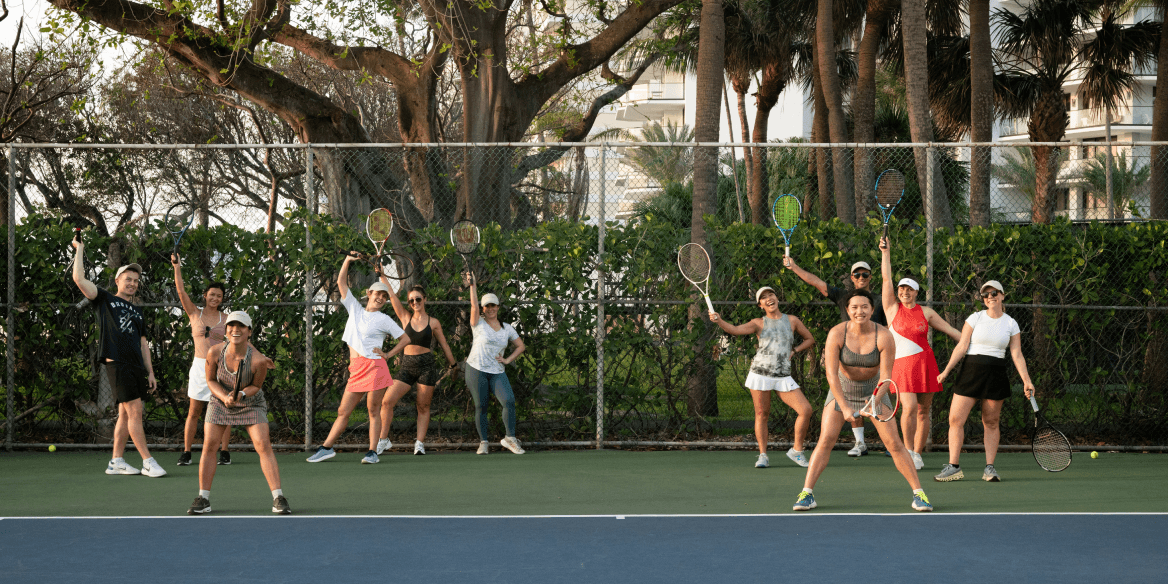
<point>763,383</point>
<point>197,387</point>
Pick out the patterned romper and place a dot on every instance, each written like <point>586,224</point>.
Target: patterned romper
<point>253,410</point>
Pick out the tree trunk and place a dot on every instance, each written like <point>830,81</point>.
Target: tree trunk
<point>774,80</point>
<point>864,106</point>
<point>916,82</point>
<point>1158,192</point>
<point>702,390</point>
<point>833,98</point>
<point>741,85</point>
<point>1048,123</point>
<point>819,134</point>
<point>981,114</point>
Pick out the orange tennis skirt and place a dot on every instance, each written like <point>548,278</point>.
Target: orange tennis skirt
<point>367,375</point>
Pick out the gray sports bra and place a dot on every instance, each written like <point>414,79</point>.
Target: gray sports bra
<point>852,359</point>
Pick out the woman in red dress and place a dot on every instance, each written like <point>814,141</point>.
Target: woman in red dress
<point>915,369</point>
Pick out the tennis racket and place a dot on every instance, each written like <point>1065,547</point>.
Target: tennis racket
<point>396,266</point>
<point>238,378</point>
<point>465,237</point>
<point>694,263</point>
<point>378,226</point>
<point>889,190</point>
<point>785,213</point>
<point>884,403</point>
<point>1052,450</point>
<point>178,219</point>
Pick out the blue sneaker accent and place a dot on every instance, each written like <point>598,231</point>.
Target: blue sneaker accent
<point>806,501</point>
<point>322,453</point>
<point>370,458</point>
<point>921,502</point>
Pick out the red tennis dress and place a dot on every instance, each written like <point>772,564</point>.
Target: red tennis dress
<point>915,368</point>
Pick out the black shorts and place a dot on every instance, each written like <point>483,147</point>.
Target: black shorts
<point>128,382</point>
<point>418,369</point>
<point>983,377</point>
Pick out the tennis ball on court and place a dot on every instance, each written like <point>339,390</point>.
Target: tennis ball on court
<point>1094,454</point>
<point>52,448</point>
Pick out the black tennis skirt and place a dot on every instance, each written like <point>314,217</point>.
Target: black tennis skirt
<point>983,377</point>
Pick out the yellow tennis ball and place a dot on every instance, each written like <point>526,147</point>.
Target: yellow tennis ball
<point>52,448</point>
<point>1094,454</point>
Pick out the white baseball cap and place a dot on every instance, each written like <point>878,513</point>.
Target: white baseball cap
<point>860,265</point>
<point>758,294</point>
<point>239,316</point>
<point>134,267</point>
<point>911,283</point>
<point>378,287</point>
<point>489,299</point>
<point>993,284</point>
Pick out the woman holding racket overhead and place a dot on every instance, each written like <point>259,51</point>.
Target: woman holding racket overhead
<point>771,370</point>
<point>365,332</point>
<point>417,365</point>
<point>858,355</point>
<point>915,368</point>
<point>486,366</point>
<point>985,338</point>
<point>208,327</point>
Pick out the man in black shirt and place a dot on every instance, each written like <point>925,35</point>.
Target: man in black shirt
<point>861,279</point>
<point>125,360</point>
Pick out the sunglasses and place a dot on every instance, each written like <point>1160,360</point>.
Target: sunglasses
<point>417,300</point>
<point>990,294</point>
<point>490,306</point>
<point>861,274</point>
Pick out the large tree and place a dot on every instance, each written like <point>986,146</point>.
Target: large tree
<point>914,31</point>
<point>498,103</point>
<point>981,114</point>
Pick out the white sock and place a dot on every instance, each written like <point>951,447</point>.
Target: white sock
<point>151,459</point>
<point>277,493</point>
<point>859,434</point>
<point>918,491</point>
<point>118,459</point>
<point>808,490</point>
<point>205,494</point>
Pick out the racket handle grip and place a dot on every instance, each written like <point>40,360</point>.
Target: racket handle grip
<point>709,304</point>
<point>1033,403</point>
<point>77,234</point>
<point>885,230</point>
<point>787,251</point>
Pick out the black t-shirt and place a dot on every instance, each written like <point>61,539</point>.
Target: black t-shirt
<point>122,328</point>
<point>838,296</point>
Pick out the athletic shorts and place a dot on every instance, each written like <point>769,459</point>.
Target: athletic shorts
<point>366,375</point>
<point>127,382</point>
<point>197,388</point>
<point>983,377</point>
<point>855,392</point>
<point>418,369</point>
<point>764,383</point>
<point>253,410</point>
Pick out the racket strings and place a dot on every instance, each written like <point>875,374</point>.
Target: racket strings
<point>379,225</point>
<point>889,188</point>
<point>1051,449</point>
<point>465,237</point>
<point>787,213</point>
<point>694,262</point>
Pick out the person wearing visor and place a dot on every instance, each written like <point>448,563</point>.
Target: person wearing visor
<point>365,332</point>
<point>770,370</point>
<point>861,276</point>
<point>915,369</point>
<point>124,358</point>
<point>985,339</point>
<point>486,366</point>
<point>236,364</point>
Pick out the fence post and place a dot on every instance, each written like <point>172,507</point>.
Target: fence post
<point>11,322</point>
<point>600,309</point>
<point>310,199</point>
<point>930,224</point>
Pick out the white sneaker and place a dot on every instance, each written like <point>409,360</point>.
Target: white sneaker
<point>510,443</point>
<point>383,445</point>
<point>763,461</point>
<point>484,447</point>
<point>860,449</point>
<point>917,460</point>
<point>151,468</point>
<point>121,467</point>
<point>419,448</point>
<point>798,458</point>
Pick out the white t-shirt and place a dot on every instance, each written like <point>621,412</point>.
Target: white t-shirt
<point>991,336</point>
<point>488,344</point>
<point>364,330</point>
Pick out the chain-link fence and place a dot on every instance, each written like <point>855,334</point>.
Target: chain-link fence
<point>580,242</point>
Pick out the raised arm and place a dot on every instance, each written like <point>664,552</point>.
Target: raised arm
<point>1020,364</point>
<point>749,328</point>
<point>187,304</point>
<point>958,351</point>
<point>887,290</point>
<point>89,289</point>
<point>806,276</point>
<point>343,275</point>
<point>398,308</point>
<point>474,299</point>
<point>941,324</point>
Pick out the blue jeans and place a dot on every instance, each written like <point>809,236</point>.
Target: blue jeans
<point>481,385</point>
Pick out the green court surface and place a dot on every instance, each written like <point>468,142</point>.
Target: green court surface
<point>582,482</point>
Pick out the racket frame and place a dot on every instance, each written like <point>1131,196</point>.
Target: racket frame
<point>870,403</point>
<point>706,282</point>
<point>378,245</point>
<point>466,254</point>
<point>887,210</point>
<point>190,220</point>
<point>785,231</point>
<point>1040,424</point>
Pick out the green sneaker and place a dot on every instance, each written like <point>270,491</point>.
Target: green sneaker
<point>921,502</point>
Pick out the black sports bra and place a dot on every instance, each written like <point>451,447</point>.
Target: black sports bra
<point>853,359</point>
<point>422,338</point>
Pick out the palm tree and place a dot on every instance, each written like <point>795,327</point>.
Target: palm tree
<point>1019,171</point>
<point>1125,179</point>
<point>876,20</point>
<point>1159,189</point>
<point>668,164</point>
<point>914,32</point>
<point>981,113</point>
<point>1040,48</point>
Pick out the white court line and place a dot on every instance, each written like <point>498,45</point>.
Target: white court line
<point>625,516</point>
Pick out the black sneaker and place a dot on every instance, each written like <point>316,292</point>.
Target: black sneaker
<point>224,457</point>
<point>184,459</point>
<point>200,506</point>
<point>280,506</point>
